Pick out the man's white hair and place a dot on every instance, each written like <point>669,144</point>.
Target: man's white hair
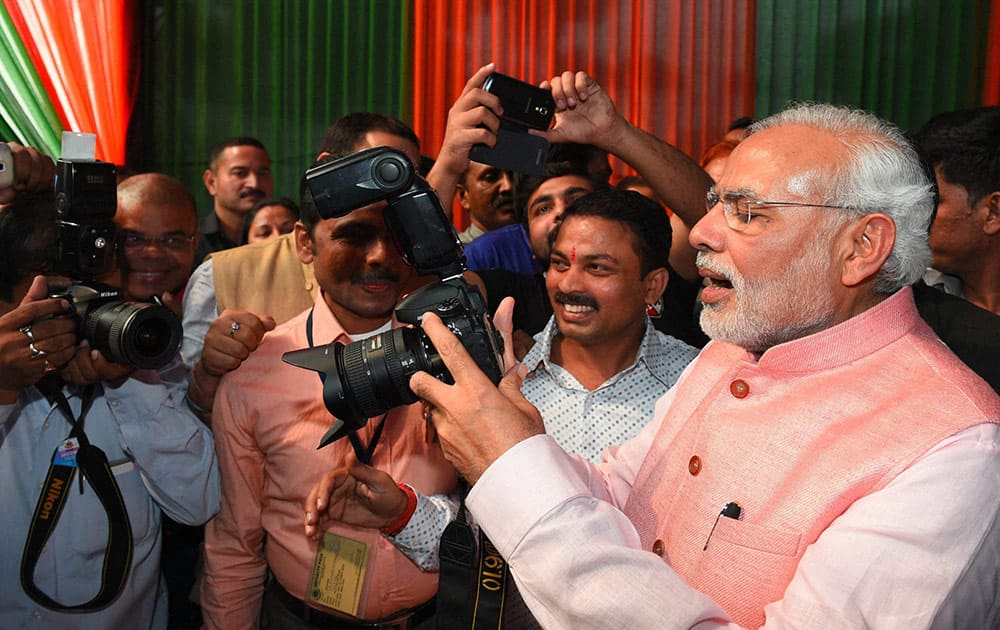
<point>885,175</point>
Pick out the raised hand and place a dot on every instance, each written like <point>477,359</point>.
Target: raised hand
<point>33,171</point>
<point>584,112</point>
<point>473,119</point>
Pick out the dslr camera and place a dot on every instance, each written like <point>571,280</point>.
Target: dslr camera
<point>367,378</point>
<point>141,334</point>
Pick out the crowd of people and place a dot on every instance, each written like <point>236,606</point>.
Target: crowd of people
<point>759,389</point>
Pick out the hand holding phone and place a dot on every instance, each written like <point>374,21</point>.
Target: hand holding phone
<point>524,107</point>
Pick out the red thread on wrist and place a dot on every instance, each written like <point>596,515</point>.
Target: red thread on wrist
<point>404,518</point>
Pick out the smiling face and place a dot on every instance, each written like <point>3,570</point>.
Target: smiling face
<point>596,285</point>
<point>780,283</point>
<point>357,266</point>
<point>157,223</point>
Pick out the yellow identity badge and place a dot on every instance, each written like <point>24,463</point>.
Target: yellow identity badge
<point>338,575</point>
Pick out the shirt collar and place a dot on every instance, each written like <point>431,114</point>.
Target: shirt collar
<point>848,341</point>
<point>326,328</point>
<point>652,350</point>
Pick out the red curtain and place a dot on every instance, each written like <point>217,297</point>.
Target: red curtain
<point>991,80</point>
<point>682,70</point>
<point>85,54</point>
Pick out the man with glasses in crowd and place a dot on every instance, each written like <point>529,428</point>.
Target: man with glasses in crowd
<point>825,462</point>
<point>158,232</point>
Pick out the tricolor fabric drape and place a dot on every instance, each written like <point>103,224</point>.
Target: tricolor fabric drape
<point>160,81</point>
<point>68,64</point>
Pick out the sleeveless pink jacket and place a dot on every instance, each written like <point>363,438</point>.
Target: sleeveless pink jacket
<point>795,438</point>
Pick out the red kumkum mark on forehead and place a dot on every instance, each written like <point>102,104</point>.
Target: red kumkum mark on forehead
<point>572,255</point>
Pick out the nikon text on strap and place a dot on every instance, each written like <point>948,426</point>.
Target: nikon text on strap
<point>93,465</point>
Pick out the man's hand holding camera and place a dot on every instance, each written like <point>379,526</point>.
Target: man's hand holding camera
<point>90,366</point>
<point>33,340</point>
<point>476,420</point>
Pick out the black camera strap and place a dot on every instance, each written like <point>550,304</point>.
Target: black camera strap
<point>94,468</point>
<point>464,570</point>
<point>364,452</point>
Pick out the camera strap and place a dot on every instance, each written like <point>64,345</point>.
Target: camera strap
<point>364,452</point>
<point>94,468</point>
<point>463,570</point>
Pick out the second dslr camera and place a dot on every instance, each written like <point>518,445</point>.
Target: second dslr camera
<point>145,335</point>
<point>367,378</point>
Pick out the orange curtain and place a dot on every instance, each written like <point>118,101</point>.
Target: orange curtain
<point>682,70</point>
<point>85,54</point>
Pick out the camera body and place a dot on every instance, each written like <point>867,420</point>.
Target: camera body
<point>524,107</point>
<point>142,334</point>
<point>86,201</point>
<point>367,378</point>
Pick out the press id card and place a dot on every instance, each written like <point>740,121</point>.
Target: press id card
<point>338,576</point>
<point>66,453</point>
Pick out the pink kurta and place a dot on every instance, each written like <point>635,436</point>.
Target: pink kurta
<point>268,419</point>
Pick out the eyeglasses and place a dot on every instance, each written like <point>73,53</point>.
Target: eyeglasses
<point>137,240</point>
<point>740,210</point>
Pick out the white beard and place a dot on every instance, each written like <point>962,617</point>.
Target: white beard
<point>759,314</point>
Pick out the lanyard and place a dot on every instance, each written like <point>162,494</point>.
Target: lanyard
<point>364,452</point>
<point>94,468</point>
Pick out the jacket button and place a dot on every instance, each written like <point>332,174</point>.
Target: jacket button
<point>658,547</point>
<point>694,465</point>
<point>739,388</point>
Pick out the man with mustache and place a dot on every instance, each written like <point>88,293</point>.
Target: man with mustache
<point>825,462</point>
<point>237,177</point>
<point>268,418</point>
<point>485,192</point>
<point>599,357</point>
<point>256,287</point>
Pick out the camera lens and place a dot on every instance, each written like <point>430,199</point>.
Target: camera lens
<point>373,375</point>
<point>142,334</point>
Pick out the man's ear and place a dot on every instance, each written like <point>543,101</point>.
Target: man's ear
<point>303,243</point>
<point>870,242</point>
<point>991,224</point>
<point>462,194</point>
<point>208,178</point>
<point>655,283</point>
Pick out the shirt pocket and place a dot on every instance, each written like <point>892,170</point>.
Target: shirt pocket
<point>751,536</point>
<point>91,526</point>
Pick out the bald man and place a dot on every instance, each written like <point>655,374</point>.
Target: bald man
<point>158,233</point>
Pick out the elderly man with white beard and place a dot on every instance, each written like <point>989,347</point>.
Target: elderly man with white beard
<point>826,462</point>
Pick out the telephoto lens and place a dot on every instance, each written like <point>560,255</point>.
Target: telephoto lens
<point>145,335</point>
